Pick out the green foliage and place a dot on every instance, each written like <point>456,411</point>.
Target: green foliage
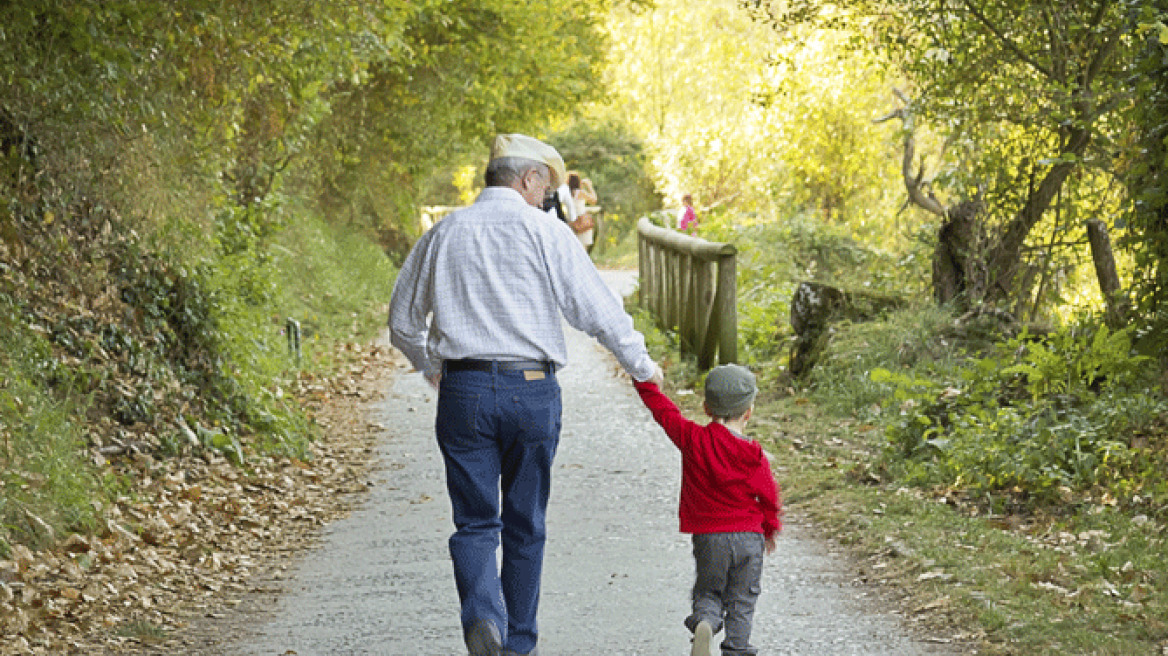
<point>161,166</point>
<point>777,252</point>
<point>1069,364</point>
<point>467,77</point>
<point>845,379</point>
<point>1040,419</point>
<point>1030,123</point>
<point>1146,167</point>
<point>783,121</point>
<point>616,162</point>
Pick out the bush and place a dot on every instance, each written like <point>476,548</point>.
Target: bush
<point>1039,420</point>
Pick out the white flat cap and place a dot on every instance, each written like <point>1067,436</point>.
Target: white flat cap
<point>521,145</point>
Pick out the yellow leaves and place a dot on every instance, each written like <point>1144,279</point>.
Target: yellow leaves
<point>1160,29</point>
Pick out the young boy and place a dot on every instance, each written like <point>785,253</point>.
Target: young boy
<point>729,503</point>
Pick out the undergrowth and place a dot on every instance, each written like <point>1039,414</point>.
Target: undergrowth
<point>113,350</point>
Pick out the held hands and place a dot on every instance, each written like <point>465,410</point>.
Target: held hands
<point>658,377</point>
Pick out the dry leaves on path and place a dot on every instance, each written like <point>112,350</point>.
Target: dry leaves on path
<point>196,535</point>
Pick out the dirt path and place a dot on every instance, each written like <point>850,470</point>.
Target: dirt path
<point>617,575</point>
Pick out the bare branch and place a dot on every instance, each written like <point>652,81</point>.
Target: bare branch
<point>912,183</point>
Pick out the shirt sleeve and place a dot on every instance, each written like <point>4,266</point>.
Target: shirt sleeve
<point>666,413</point>
<point>567,202</point>
<point>766,491</point>
<point>410,306</point>
<point>590,306</point>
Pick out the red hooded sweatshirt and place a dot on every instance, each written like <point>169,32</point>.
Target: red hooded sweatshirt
<point>726,480</point>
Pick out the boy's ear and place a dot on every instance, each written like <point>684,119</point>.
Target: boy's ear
<point>706,407</point>
<point>749,411</point>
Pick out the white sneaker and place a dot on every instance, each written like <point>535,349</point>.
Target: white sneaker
<point>703,635</point>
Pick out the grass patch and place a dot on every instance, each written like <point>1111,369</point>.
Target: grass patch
<point>142,630</point>
<point>46,484</point>
<point>333,279</point>
<point>842,381</point>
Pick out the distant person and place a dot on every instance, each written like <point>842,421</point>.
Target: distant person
<point>687,219</point>
<point>558,204</point>
<point>729,503</point>
<point>478,308</point>
<point>582,195</point>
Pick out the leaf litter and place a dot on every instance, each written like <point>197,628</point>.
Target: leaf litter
<point>177,554</point>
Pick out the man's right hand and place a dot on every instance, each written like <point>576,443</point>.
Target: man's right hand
<point>658,377</point>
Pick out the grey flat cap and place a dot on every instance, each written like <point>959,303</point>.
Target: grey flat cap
<point>730,390</point>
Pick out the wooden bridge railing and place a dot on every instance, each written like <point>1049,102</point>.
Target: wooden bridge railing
<point>689,284</point>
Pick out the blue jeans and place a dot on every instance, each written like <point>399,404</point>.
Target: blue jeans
<point>498,433</point>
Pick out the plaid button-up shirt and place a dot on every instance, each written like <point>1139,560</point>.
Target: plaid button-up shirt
<point>492,280</point>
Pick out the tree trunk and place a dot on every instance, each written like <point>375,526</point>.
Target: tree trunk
<point>958,265</point>
<point>1117,306</point>
<point>1006,255</point>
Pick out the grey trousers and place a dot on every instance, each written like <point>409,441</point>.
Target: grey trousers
<point>729,578</point>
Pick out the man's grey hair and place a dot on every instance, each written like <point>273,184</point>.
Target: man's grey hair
<point>503,171</point>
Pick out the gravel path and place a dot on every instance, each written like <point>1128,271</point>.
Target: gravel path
<point>617,576</point>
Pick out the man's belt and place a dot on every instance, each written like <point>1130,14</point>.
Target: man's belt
<point>499,365</point>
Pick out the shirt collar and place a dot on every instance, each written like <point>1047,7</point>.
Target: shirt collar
<point>500,193</point>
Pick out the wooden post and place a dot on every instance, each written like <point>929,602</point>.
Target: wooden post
<point>727,309</point>
<point>710,341</point>
<point>663,290</point>
<point>686,304</point>
<point>642,279</point>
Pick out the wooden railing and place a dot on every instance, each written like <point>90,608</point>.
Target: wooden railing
<point>689,285</point>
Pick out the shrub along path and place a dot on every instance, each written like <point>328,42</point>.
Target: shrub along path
<point>617,574</point>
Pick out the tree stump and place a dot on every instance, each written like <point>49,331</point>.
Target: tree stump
<point>815,306</point>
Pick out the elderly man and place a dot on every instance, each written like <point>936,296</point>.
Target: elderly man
<point>494,280</point>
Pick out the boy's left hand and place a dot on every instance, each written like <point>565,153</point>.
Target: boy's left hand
<point>770,545</point>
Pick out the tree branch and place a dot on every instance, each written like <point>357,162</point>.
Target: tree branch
<point>912,183</point>
<point>1009,44</point>
<point>1057,52</point>
<point>1101,56</point>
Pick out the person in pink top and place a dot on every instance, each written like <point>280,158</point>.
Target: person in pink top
<point>729,503</point>
<point>687,221</point>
